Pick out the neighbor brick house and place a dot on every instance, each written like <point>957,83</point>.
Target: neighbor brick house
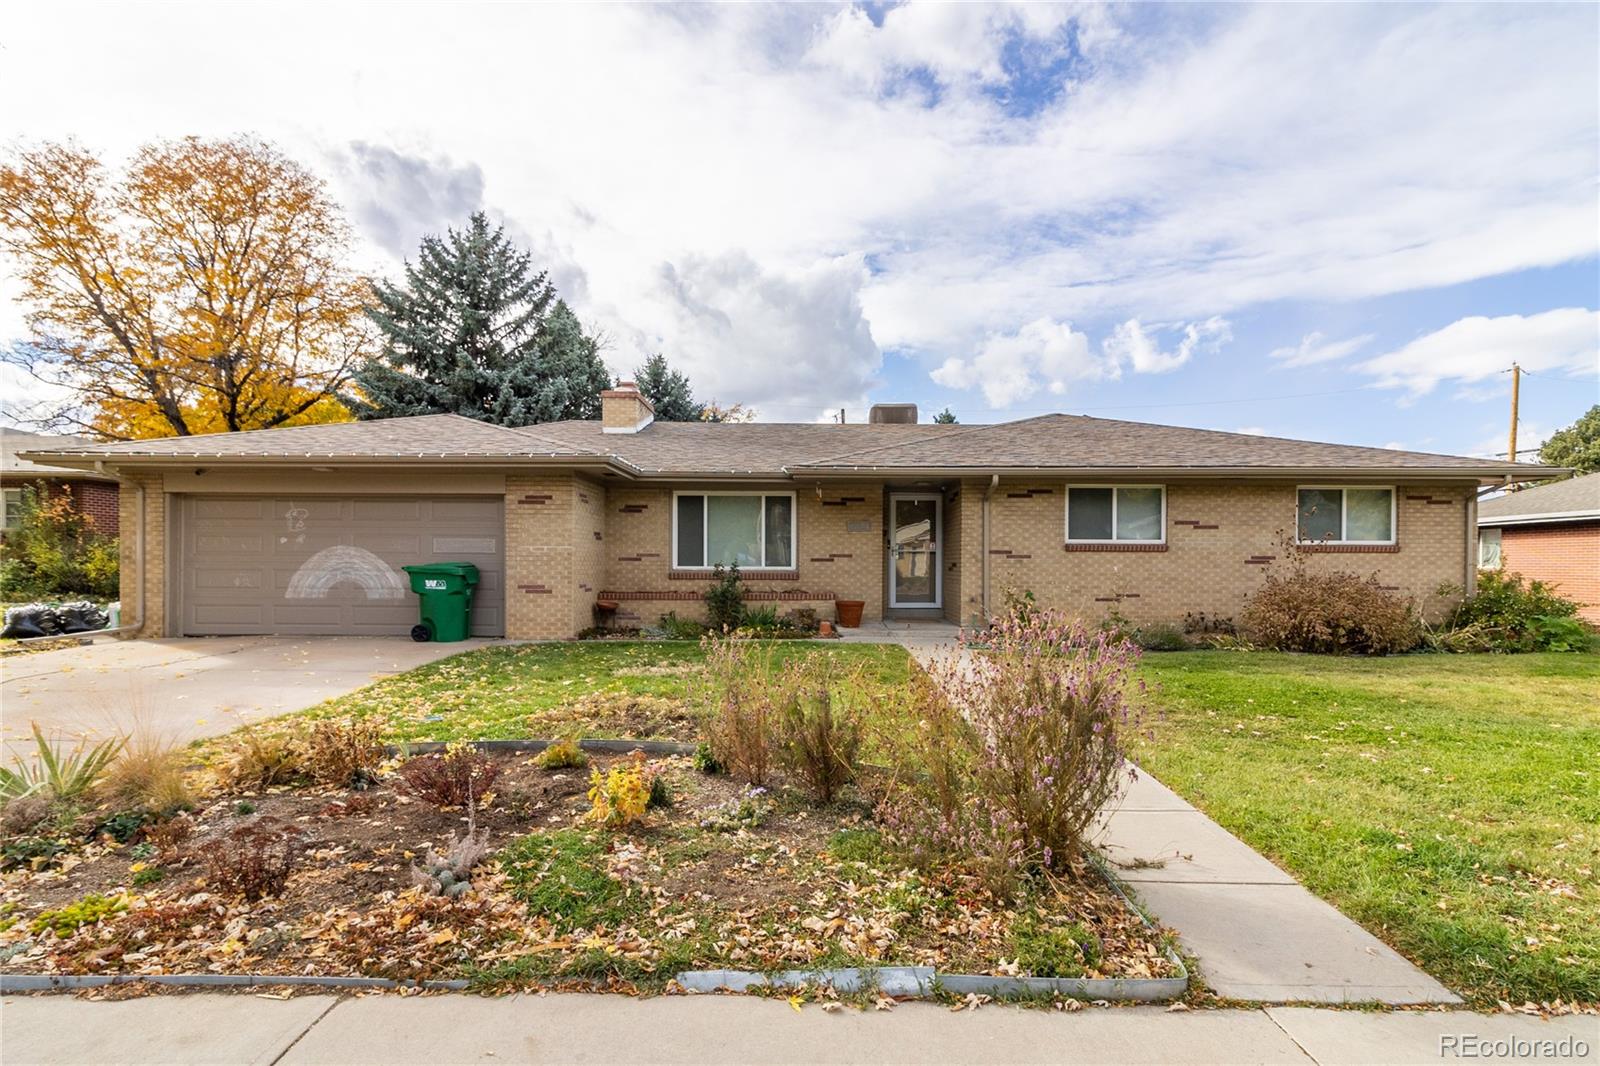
<point>1548,533</point>
<point>93,493</point>
<point>302,530</point>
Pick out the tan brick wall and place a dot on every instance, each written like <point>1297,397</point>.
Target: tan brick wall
<point>832,559</point>
<point>589,549</point>
<point>542,570</point>
<point>1220,541</point>
<point>1567,556</point>
<point>152,569</point>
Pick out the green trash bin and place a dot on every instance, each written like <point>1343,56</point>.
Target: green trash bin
<point>445,591</point>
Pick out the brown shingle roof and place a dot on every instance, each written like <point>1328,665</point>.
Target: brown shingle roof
<point>422,436</point>
<point>1051,443</point>
<point>1574,499</point>
<point>725,448</point>
<point>1078,442</point>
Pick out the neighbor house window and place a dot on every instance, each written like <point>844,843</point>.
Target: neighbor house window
<point>1346,516</point>
<point>1489,549</point>
<point>1111,514</point>
<point>751,529</point>
<point>13,508</point>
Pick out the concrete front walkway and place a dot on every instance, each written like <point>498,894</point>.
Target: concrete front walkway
<point>1256,931</point>
<point>557,1028</point>
<point>192,687</point>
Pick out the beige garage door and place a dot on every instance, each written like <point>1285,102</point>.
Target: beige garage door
<point>330,564</point>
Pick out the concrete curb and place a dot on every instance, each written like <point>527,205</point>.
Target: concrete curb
<point>918,981</point>
<point>609,747</point>
<point>49,982</point>
<point>890,980</point>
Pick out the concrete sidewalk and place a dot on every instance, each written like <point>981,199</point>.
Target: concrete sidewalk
<point>207,1028</point>
<point>1258,933</point>
<point>191,687</point>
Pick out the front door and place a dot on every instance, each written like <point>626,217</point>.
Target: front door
<point>914,570</point>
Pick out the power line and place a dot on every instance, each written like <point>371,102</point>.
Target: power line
<point>819,410</point>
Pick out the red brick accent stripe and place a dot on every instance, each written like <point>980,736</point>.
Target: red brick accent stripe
<point>681,595</point>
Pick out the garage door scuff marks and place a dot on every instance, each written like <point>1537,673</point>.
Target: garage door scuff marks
<point>341,564</point>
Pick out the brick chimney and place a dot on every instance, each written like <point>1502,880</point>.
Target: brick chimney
<point>624,409</point>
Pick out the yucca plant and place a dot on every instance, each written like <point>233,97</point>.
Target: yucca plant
<point>61,775</point>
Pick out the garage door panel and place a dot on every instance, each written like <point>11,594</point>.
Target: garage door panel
<point>464,546</point>
<point>229,614</point>
<point>223,544</point>
<point>466,510</point>
<point>330,565</point>
<point>388,510</point>
<point>205,578</point>
<point>222,508</point>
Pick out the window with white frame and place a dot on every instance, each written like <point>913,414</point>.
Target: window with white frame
<point>1345,515</point>
<point>1114,514</point>
<point>13,508</point>
<point>752,529</point>
<point>1489,549</point>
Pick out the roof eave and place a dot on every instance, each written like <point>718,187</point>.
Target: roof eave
<point>1487,475</point>
<point>127,460</point>
<point>1553,518</point>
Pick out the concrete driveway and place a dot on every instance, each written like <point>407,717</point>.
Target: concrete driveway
<point>192,687</point>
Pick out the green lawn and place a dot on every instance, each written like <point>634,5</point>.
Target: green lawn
<point>1451,804</point>
<point>603,688</point>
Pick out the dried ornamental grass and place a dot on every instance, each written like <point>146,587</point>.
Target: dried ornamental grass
<point>1015,748</point>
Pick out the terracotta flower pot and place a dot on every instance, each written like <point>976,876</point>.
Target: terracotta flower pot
<point>849,612</point>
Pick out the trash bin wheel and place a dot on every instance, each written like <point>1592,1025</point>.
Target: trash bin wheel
<point>421,634</point>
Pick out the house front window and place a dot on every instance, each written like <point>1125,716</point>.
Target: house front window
<point>1345,515</point>
<point>1489,549</point>
<point>751,529</point>
<point>13,508</point>
<point>1114,514</point>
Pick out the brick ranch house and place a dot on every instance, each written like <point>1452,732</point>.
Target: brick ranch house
<point>301,530</point>
<point>93,493</point>
<point>1549,533</point>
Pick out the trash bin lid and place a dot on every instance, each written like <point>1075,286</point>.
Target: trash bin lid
<point>466,570</point>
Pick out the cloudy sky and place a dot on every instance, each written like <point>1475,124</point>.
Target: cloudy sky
<point>1335,222</point>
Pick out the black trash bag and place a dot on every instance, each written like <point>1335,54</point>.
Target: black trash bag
<point>31,620</point>
<point>81,617</point>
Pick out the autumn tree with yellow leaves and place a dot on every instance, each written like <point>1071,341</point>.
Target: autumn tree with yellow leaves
<point>203,289</point>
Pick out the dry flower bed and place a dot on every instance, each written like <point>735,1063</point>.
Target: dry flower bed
<point>720,878</point>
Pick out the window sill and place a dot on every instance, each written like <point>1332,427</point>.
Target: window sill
<point>744,575</point>
<point>1127,546</point>
<point>1350,549</point>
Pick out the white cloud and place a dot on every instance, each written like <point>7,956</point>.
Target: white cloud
<point>717,311</point>
<point>1317,348</point>
<point>1165,170</point>
<point>1132,344</point>
<point>1046,354</point>
<point>1253,431</point>
<point>1010,367</point>
<point>1478,349</point>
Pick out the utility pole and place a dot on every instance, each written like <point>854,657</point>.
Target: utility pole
<point>1516,386</point>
